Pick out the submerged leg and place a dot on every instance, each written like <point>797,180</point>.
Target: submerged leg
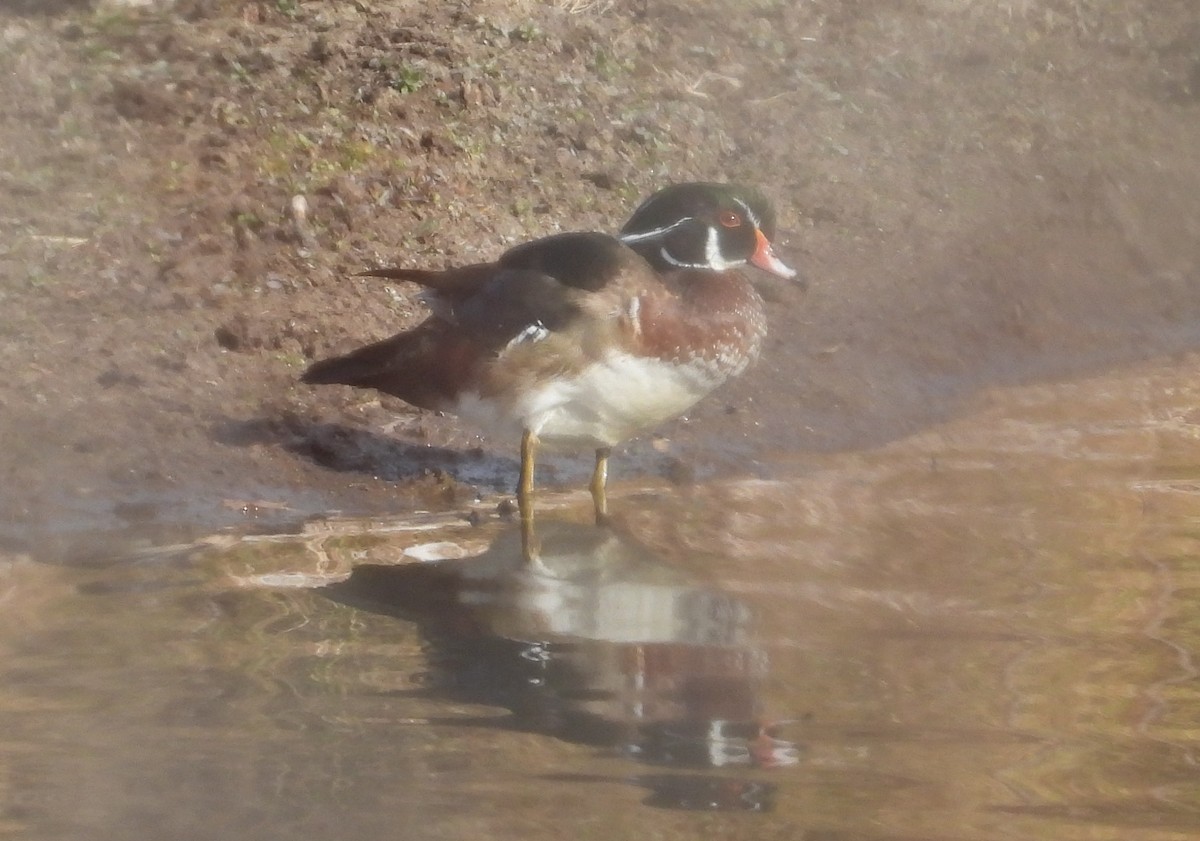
<point>525,493</point>
<point>599,483</point>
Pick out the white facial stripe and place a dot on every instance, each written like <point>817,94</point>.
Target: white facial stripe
<point>666,255</point>
<point>642,236</point>
<point>713,257</point>
<point>749,213</point>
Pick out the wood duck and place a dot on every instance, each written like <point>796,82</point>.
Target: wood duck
<point>585,339</point>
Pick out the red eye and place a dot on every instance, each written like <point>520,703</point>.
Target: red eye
<point>730,219</point>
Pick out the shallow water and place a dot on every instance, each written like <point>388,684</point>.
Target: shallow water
<point>985,631</point>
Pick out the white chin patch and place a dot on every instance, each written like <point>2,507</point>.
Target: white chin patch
<point>713,259</point>
<point>712,253</point>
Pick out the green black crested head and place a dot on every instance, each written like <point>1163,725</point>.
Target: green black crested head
<point>704,225</point>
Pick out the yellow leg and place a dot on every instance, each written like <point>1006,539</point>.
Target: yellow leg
<point>525,494</point>
<point>529,445</point>
<point>599,483</point>
<point>531,549</point>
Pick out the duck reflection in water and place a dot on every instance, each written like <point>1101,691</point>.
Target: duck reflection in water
<point>595,640</point>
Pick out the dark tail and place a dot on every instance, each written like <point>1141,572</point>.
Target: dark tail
<point>363,367</point>
<point>337,370</point>
<point>420,367</point>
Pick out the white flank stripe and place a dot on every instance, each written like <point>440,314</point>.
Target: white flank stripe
<point>533,333</point>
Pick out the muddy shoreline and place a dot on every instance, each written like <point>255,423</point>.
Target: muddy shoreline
<point>976,197</point>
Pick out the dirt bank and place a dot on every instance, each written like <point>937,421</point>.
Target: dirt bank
<point>978,193</point>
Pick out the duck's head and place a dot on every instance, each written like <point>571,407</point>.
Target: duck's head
<point>701,225</point>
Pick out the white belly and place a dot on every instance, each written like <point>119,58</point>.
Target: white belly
<point>605,404</point>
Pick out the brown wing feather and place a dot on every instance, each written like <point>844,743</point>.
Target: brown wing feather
<point>573,290</point>
<point>587,261</point>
